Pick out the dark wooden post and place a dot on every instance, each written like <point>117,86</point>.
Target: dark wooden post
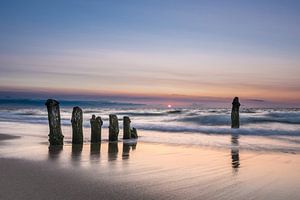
<point>126,128</point>
<point>55,134</point>
<point>96,124</point>
<point>235,117</point>
<point>77,120</point>
<point>113,128</point>
<point>134,133</point>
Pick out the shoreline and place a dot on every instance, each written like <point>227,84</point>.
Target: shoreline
<point>219,141</point>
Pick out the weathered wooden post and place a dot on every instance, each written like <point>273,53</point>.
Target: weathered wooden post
<point>96,124</point>
<point>126,128</point>
<point>134,133</point>
<point>55,134</point>
<point>113,128</point>
<point>235,117</point>
<point>128,132</point>
<point>77,120</point>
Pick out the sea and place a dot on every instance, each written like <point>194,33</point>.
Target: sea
<point>261,129</point>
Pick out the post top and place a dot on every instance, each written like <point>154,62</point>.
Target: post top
<point>77,109</point>
<point>51,102</point>
<point>98,118</point>
<point>236,102</point>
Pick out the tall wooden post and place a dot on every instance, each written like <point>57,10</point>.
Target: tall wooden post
<point>55,134</point>
<point>113,128</point>
<point>96,124</point>
<point>126,128</point>
<point>235,117</point>
<point>77,119</point>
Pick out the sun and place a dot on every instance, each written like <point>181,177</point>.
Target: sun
<point>169,106</point>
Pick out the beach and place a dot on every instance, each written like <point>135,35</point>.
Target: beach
<point>137,169</point>
<point>141,100</point>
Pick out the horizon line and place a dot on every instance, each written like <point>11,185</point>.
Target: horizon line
<point>73,94</point>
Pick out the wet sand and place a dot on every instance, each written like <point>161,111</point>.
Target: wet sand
<point>8,137</point>
<point>144,171</point>
<point>21,179</point>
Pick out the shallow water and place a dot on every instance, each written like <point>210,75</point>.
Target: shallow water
<point>261,129</point>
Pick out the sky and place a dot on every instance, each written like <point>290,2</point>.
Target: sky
<point>218,49</point>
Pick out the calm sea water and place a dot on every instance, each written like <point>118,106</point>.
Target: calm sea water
<point>261,129</point>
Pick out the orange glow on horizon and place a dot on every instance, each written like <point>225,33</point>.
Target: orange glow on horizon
<point>264,94</point>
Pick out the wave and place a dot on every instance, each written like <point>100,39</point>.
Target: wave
<point>141,113</point>
<point>67,103</point>
<point>189,117</point>
<point>154,113</point>
<point>207,120</point>
<point>176,128</point>
<point>220,130</point>
<point>283,117</point>
<point>175,111</point>
<point>29,112</point>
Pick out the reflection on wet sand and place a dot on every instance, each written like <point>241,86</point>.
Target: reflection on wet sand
<point>113,151</point>
<point>126,149</point>
<point>235,158</point>
<point>54,151</point>
<point>95,148</point>
<point>133,146</point>
<point>76,152</point>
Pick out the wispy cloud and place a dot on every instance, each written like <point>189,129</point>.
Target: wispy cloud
<point>248,49</point>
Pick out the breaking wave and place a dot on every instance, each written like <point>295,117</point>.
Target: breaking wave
<point>218,119</point>
<point>220,130</point>
<point>68,103</point>
<point>267,122</point>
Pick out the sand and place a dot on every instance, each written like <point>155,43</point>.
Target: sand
<point>143,170</point>
<point>22,179</point>
<point>8,137</point>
